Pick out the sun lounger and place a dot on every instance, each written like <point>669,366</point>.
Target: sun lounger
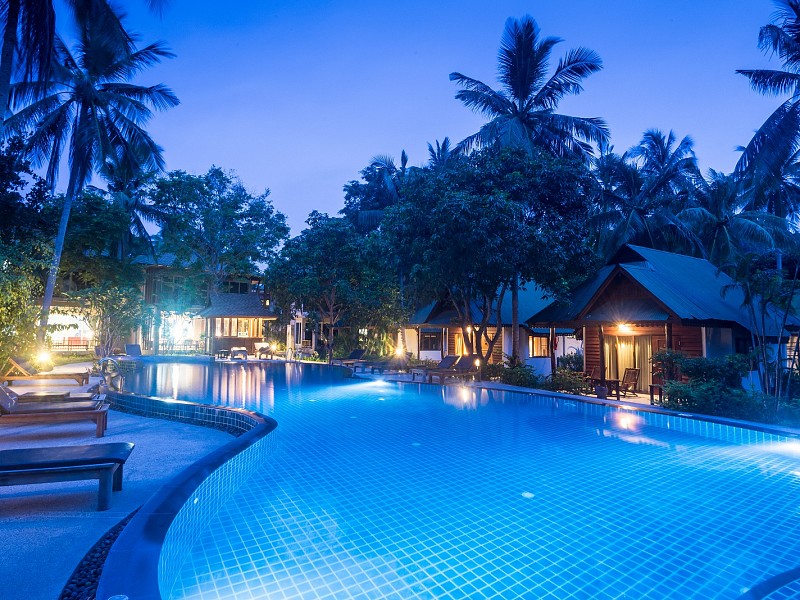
<point>463,368</point>
<point>396,363</point>
<point>103,462</point>
<point>12,413</point>
<point>446,363</point>
<point>44,396</point>
<point>133,350</point>
<point>21,370</point>
<point>351,360</point>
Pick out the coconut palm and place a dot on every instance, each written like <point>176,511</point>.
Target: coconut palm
<point>524,113</point>
<point>442,155</point>
<point>29,34</point>
<point>779,136</point>
<point>641,191</point>
<point>88,106</point>
<point>127,189</point>
<point>726,228</point>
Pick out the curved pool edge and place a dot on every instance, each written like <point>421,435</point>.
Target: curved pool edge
<point>133,568</point>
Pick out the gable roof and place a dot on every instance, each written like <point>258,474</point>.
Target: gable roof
<point>681,288</point>
<point>531,300</point>
<point>236,305</point>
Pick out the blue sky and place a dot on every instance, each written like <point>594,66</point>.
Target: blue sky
<point>298,96</point>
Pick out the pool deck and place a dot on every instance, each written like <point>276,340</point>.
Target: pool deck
<point>45,530</point>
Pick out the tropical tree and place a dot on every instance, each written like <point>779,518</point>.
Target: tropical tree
<point>127,189</point>
<point>29,32</point>
<point>641,191</point>
<point>779,136</point>
<point>321,269</point>
<point>89,106</point>
<point>523,113</point>
<point>211,222</point>
<point>724,225</point>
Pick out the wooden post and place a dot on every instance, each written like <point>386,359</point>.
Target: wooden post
<point>602,339</point>
<point>668,334</point>
<point>552,350</point>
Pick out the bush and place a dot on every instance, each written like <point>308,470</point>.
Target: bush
<point>713,398</point>
<point>571,362</point>
<point>565,380</point>
<point>522,376</point>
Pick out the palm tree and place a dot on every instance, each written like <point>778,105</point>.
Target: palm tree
<point>29,28</point>
<point>442,155</point>
<point>779,136</point>
<point>727,229</point>
<point>523,112</point>
<point>641,191</point>
<point>126,187</point>
<point>89,106</point>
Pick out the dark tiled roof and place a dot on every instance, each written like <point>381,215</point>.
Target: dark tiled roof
<point>236,305</point>
<point>690,289</point>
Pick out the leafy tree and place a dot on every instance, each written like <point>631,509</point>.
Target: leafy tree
<point>321,270</point>
<point>89,105</point>
<point>112,312</point>
<point>19,287</point>
<point>523,112</point>
<point>213,223</point>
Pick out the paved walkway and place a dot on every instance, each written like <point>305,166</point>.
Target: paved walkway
<point>45,530</point>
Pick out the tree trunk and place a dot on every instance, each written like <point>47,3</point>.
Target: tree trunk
<point>7,57</point>
<point>514,321</point>
<point>52,274</point>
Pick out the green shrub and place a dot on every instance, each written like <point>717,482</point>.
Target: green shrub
<point>522,376</point>
<point>713,398</point>
<point>571,362</point>
<point>565,380</point>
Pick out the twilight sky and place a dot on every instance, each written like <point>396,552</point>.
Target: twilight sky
<point>299,95</point>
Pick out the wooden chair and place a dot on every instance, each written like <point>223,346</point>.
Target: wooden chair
<point>20,369</point>
<point>629,381</point>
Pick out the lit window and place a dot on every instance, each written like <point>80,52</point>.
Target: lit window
<point>538,346</point>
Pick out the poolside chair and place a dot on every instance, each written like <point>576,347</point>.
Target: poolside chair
<point>463,368</point>
<point>44,396</point>
<point>238,352</point>
<point>104,462</point>
<point>20,369</point>
<point>395,363</point>
<point>12,413</point>
<point>350,361</point>
<point>629,381</point>
<point>133,350</point>
<point>445,364</point>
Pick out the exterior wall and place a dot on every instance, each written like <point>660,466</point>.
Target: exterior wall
<point>686,339</point>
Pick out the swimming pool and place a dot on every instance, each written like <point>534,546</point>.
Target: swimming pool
<point>378,490</point>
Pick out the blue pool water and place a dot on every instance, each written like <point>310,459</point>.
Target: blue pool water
<point>380,490</point>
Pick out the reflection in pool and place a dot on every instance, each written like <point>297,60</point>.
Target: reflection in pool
<point>414,491</point>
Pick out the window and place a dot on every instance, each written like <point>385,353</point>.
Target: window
<point>243,329</point>
<point>538,346</point>
<point>430,341</point>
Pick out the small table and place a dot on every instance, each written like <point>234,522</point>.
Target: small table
<point>611,384</point>
<point>655,387</point>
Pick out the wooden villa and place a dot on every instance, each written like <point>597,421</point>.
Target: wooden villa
<point>647,300</point>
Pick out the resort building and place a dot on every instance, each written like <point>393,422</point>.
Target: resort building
<point>646,300</point>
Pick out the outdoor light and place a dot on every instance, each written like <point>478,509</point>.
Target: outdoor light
<point>624,328</point>
<point>477,362</point>
<point>399,351</point>
<point>43,356</point>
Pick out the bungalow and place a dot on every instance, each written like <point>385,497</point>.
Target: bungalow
<point>647,300</point>
<point>435,332</point>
